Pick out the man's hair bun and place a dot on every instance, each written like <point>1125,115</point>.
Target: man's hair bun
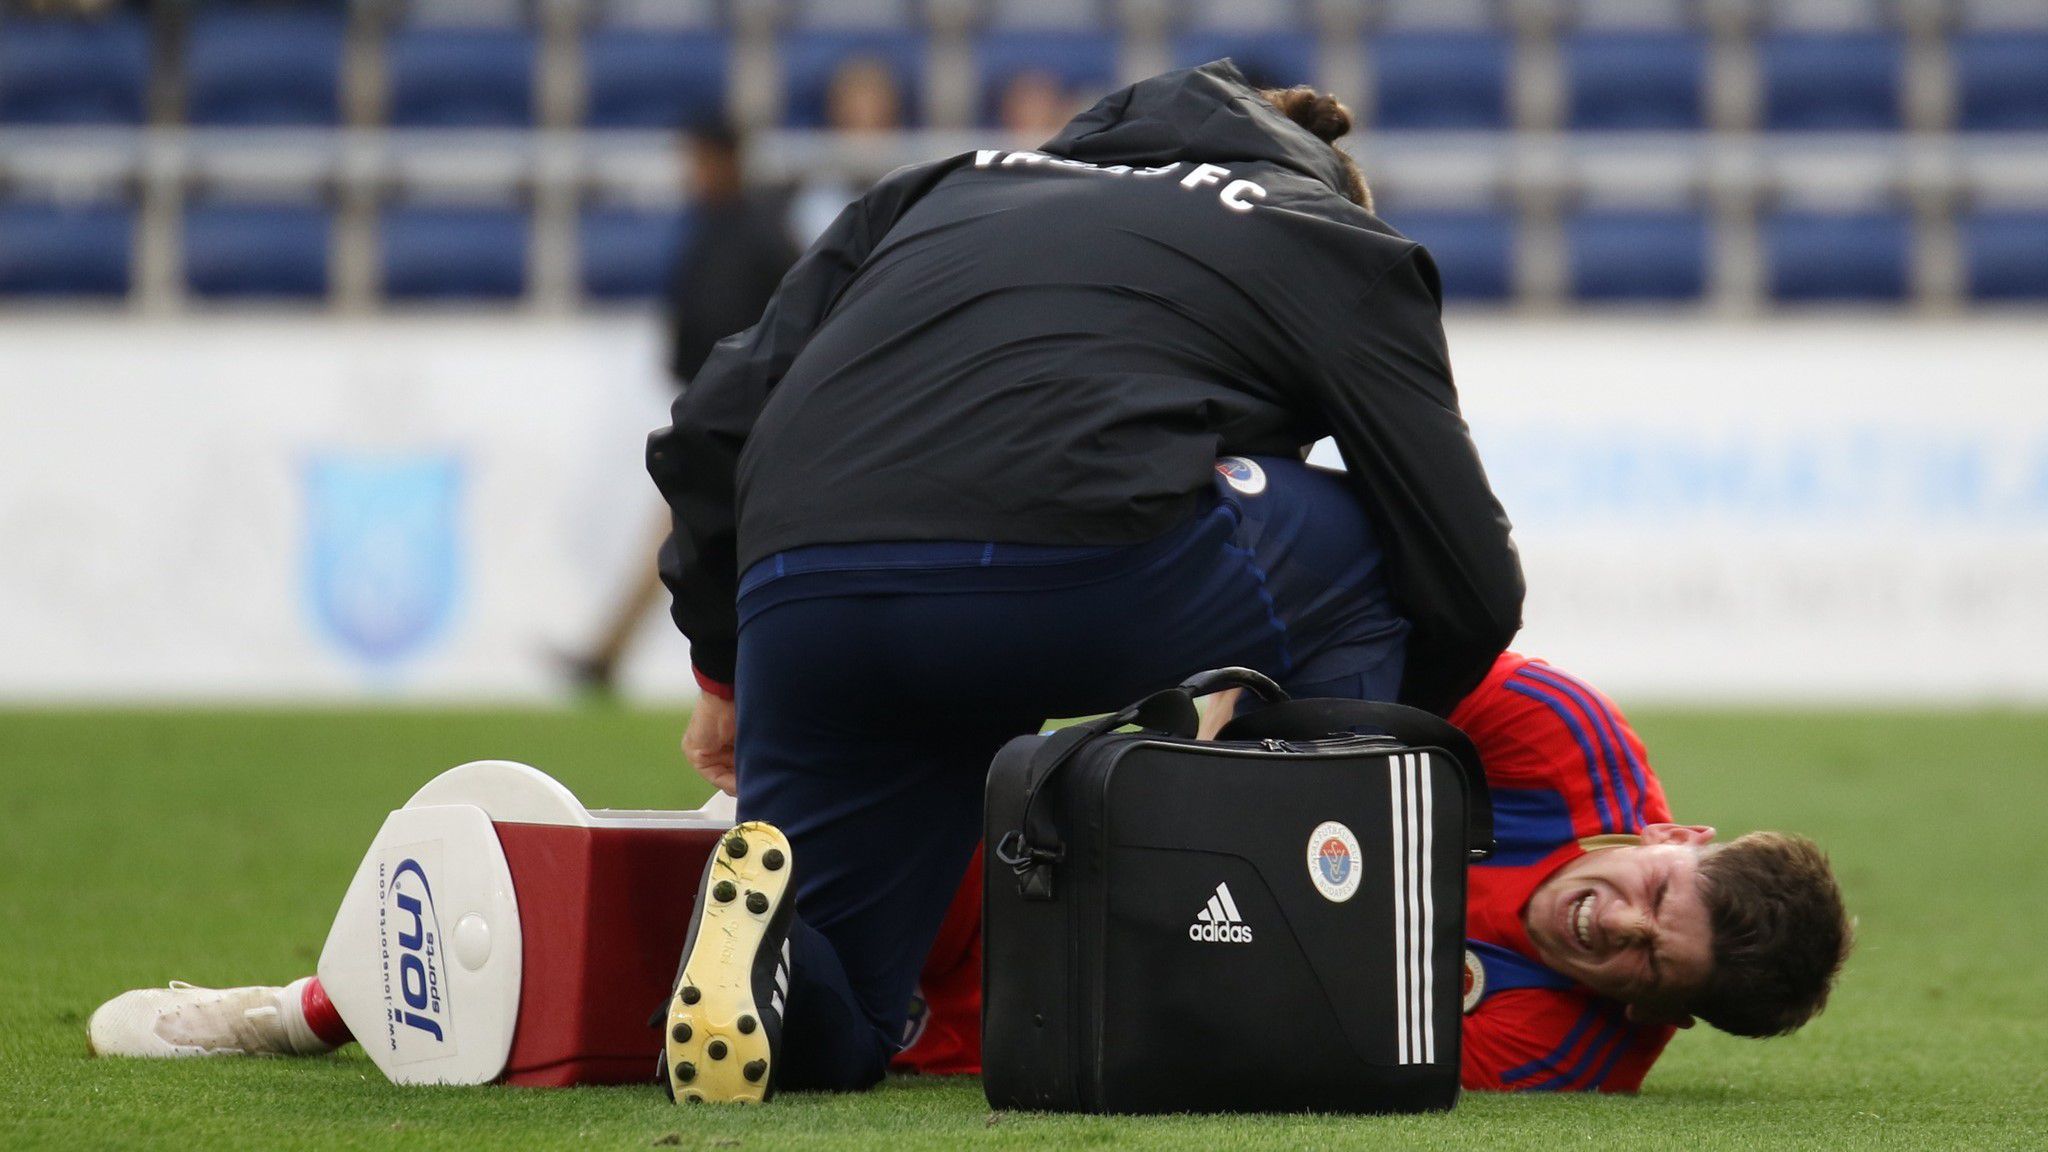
<point>1319,112</point>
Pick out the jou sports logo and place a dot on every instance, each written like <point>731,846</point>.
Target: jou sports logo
<point>415,974</point>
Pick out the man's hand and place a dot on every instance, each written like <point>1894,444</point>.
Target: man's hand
<point>708,742</point>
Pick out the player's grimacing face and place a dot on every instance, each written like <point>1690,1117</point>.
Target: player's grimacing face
<point>1629,922</point>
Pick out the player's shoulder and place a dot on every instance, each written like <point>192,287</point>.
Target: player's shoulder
<point>1557,1040</point>
<point>1519,685</point>
<point>1537,726</point>
<point>1527,718</point>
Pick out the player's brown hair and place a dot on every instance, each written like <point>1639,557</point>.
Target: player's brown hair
<point>1780,934</point>
<point>1329,120</point>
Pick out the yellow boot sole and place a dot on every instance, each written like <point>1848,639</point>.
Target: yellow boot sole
<point>717,1048</point>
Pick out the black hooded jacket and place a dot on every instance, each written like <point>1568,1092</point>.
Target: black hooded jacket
<point>1054,347</point>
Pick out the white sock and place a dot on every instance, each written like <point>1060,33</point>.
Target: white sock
<point>292,1011</point>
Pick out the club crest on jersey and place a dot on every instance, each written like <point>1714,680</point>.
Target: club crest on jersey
<point>1475,981</point>
<point>1333,861</point>
<point>1242,475</point>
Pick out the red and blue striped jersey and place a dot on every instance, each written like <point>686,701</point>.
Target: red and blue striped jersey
<point>1567,776</point>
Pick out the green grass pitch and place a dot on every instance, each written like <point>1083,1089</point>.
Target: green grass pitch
<point>212,846</point>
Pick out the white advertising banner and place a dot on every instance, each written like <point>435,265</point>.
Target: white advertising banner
<point>252,507</point>
<point>1851,509</point>
<point>285,507</point>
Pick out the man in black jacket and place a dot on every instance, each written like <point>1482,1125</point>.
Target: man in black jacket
<point>963,475</point>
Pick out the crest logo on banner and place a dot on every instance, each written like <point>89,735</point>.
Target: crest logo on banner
<point>383,549</point>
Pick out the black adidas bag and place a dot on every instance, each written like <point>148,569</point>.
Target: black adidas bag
<point>1273,921</point>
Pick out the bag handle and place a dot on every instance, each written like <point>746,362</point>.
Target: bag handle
<point>1032,849</point>
<point>1218,679</point>
<point>1315,719</point>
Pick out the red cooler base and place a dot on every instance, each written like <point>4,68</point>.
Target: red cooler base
<point>603,912</point>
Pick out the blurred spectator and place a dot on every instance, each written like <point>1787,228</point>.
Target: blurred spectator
<point>1034,104</point>
<point>722,280</point>
<point>740,250</point>
<point>865,99</point>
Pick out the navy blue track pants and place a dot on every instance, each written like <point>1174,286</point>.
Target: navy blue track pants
<point>877,681</point>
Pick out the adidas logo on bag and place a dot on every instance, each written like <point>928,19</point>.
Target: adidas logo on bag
<point>1219,922</point>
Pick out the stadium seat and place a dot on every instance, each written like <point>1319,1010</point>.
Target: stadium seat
<point>1245,14</point>
<point>239,250</point>
<point>1635,14</point>
<point>1440,79</point>
<point>849,14</point>
<point>66,250</point>
<point>1635,80</point>
<point>461,77</point>
<point>459,13</point>
<point>1084,62</point>
<point>1269,59</point>
<point>637,78</point>
<point>264,67</point>
<point>1811,255</point>
<point>433,251</point>
<point>2001,81</point>
<point>629,253</point>
<point>1637,255</point>
<point>1474,249</point>
<point>811,57</point>
<point>665,14</point>
<point>1842,82</point>
<point>1048,14</point>
<point>74,71</point>
<point>2005,254</point>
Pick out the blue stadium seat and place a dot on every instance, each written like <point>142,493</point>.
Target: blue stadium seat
<point>1245,14</point>
<point>264,67</point>
<point>847,14</point>
<point>1269,59</point>
<point>1083,61</point>
<point>2001,81</point>
<point>629,253</point>
<point>1840,82</point>
<point>74,71</point>
<point>1635,80</point>
<point>2005,254</point>
<point>1637,255</point>
<point>433,251</point>
<point>639,78</point>
<point>1811,255</point>
<point>237,250</point>
<point>811,57</point>
<point>66,250</point>
<point>1048,14</point>
<point>1440,79</point>
<point>670,15</point>
<point>461,77</point>
<point>1474,249</point>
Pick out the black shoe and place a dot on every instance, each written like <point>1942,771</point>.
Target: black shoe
<point>591,677</point>
<point>724,1023</point>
